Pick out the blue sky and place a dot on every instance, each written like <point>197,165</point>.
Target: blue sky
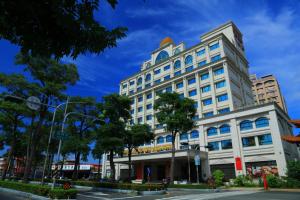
<point>271,31</point>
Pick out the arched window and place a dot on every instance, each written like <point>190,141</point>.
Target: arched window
<point>169,138</point>
<point>212,131</point>
<point>225,128</point>
<point>148,77</point>
<point>246,125</point>
<point>194,134</point>
<point>163,55</point>
<point>188,60</point>
<point>160,140</point>
<point>261,122</point>
<point>184,136</point>
<point>140,80</point>
<point>177,64</point>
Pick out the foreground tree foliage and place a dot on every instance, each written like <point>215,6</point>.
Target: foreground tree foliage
<point>176,114</point>
<point>56,28</point>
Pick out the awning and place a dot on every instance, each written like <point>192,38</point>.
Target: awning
<point>295,122</point>
<point>291,139</point>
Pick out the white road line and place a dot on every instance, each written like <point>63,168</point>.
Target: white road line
<point>94,197</point>
<point>127,197</point>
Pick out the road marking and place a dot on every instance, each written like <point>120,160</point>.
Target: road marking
<point>127,197</point>
<point>94,197</point>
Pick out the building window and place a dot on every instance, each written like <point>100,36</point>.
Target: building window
<point>163,55</point>
<point>148,85</point>
<point>226,144</point>
<point>167,77</point>
<point>246,125</point>
<point>177,64</point>
<point>149,117</point>
<point>179,85</point>
<point>204,76</point>
<point>177,73</point>
<point>248,141</point>
<point>215,58</point>
<point>140,99</point>
<point>220,84</point>
<point>265,139</point>
<point>132,111</point>
<point>131,92</point>
<point>140,120</point>
<point>213,146</point>
<point>194,134</point>
<point>166,67</point>
<point>160,140</point>
<point>224,110</point>
<point>158,92</point>
<point>169,138</point>
<point>190,68</point>
<point>149,106</point>
<point>218,71</point>
<point>183,136</point>
<point>188,60</point>
<point>208,114</point>
<point>159,126</point>
<point>207,102</point>
<point>196,105</point>
<point>201,52</point>
<point>131,83</point>
<point>212,131</point>
<point>205,89</point>
<point>140,109</point>
<point>149,96</point>
<point>191,81</point>
<point>156,71</point>
<point>148,77</point>
<point>140,81</point>
<point>139,89</point>
<point>214,46</point>
<point>192,93</point>
<point>157,81</point>
<point>202,63</point>
<point>262,122</point>
<point>169,89</point>
<point>124,86</point>
<point>225,128</point>
<point>223,97</point>
<point>177,51</point>
<point>196,117</point>
<point>181,96</point>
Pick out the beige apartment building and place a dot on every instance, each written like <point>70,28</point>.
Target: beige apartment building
<point>266,89</point>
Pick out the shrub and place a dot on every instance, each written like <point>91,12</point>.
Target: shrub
<point>293,170</point>
<point>275,181</point>
<point>292,183</point>
<point>62,194</point>
<point>244,181</point>
<point>218,176</point>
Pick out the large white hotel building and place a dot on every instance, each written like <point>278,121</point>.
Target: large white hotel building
<point>245,138</point>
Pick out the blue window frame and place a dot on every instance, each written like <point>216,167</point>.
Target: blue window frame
<point>191,81</point>
<point>265,139</point>
<point>169,138</point>
<point>190,68</point>
<point>167,77</point>
<point>224,110</point>
<point>202,63</point>
<point>157,81</point>
<point>149,117</point>
<point>149,106</point>
<point>204,76</point>
<point>140,120</point>
<point>148,85</point>
<point>131,92</point>
<point>213,146</point>
<point>140,81</point>
<point>140,99</point>
<point>223,97</point>
<point>205,89</point>
<point>156,71</point>
<point>139,89</point>
<point>226,144</point>
<point>246,125</point>
<point>208,114</point>
<point>218,71</point>
<point>194,134</point>
<point>215,58</point>
<point>132,101</point>
<point>184,136</point>
<point>169,89</point>
<point>148,77</point>
<point>140,109</point>
<point>192,93</point>
<point>212,131</point>
<point>166,67</point>
<point>160,140</point>
<point>149,96</point>
<point>124,86</point>
<point>177,64</point>
<point>196,105</point>
<point>196,117</point>
<point>131,82</point>
<point>177,73</point>
<point>188,60</point>
<point>132,111</point>
<point>214,46</point>
<point>220,84</point>
<point>207,102</point>
<point>248,141</point>
<point>261,122</point>
<point>201,52</point>
<point>163,55</point>
<point>225,128</point>
<point>159,126</point>
<point>179,85</point>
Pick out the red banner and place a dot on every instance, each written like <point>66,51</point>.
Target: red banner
<point>238,163</point>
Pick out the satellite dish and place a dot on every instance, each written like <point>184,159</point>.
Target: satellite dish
<point>33,103</point>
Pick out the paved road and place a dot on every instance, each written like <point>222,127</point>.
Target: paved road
<point>9,196</point>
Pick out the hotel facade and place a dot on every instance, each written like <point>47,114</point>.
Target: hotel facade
<point>244,137</point>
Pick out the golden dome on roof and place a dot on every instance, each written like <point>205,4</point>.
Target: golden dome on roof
<point>166,41</point>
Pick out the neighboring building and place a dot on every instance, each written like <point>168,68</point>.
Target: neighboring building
<point>214,73</point>
<point>266,89</point>
<point>3,164</point>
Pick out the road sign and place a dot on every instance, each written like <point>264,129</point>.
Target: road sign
<point>197,159</point>
<point>33,103</point>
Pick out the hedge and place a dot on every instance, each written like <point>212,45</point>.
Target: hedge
<point>41,190</point>
<point>190,186</point>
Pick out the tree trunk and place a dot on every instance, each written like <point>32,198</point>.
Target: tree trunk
<point>172,160</point>
<point>129,164</point>
<point>112,165</point>
<point>76,165</point>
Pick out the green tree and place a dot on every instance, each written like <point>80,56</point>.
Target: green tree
<point>176,114</point>
<point>59,28</point>
<point>135,136</point>
<point>116,112</point>
<point>218,176</point>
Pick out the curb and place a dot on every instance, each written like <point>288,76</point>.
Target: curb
<point>283,190</point>
<point>189,189</point>
<point>23,194</point>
